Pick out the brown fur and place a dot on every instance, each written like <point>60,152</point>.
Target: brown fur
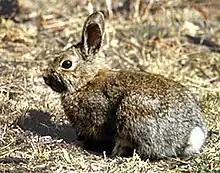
<point>129,110</point>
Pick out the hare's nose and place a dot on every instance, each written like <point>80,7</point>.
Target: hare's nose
<point>45,79</point>
<point>50,78</point>
<point>55,81</point>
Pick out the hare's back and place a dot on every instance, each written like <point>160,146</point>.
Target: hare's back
<point>144,83</point>
<point>151,94</point>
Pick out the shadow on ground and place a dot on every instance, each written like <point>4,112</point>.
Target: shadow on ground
<point>40,122</point>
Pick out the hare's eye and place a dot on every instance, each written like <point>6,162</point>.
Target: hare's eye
<point>66,64</point>
<point>69,63</point>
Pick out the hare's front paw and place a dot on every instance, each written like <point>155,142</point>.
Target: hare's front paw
<point>122,148</point>
<point>97,146</point>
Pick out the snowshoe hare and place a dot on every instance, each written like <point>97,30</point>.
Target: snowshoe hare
<point>155,116</point>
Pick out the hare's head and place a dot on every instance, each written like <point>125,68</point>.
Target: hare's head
<point>73,68</point>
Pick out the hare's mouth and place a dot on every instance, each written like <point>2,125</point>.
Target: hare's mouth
<point>56,82</point>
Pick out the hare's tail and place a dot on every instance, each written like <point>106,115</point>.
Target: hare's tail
<point>195,141</point>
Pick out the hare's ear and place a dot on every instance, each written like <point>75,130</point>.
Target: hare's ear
<point>92,34</point>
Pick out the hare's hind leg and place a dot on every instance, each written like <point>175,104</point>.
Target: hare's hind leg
<point>131,128</point>
<point>195,141</point>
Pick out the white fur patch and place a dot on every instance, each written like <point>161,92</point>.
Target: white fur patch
<point>195,141</point>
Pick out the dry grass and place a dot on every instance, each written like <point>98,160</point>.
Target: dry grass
<point>34,133</point>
